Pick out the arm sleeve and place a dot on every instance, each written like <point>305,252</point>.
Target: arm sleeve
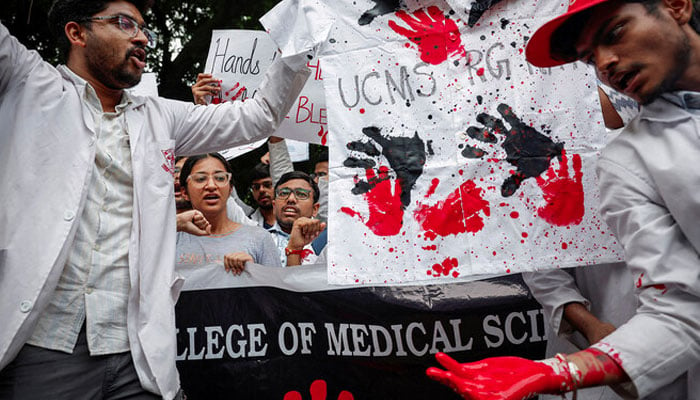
<point>280,162</point>
<point>662,340</point>
<point>201,129</point>
<point>16,62</point>
<point>554,289</point>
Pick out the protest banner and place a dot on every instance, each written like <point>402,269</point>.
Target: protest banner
<point>284,333</point>
<point>451,155</point>
<point>239,58</point>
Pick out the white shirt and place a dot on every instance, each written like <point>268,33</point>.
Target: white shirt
<point>47,153</point>
<point>95,280</point>
<point>649,183</point>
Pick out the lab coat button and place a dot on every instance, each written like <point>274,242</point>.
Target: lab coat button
<point>25,306</point>
<point>68,215</point>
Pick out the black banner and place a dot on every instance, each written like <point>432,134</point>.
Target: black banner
<point>298,338</point>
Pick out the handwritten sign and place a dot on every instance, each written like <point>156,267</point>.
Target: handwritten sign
<point>451,155</point>
<point>239,58</point>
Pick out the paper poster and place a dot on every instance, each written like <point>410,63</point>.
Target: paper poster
<point>239,58</point>
<point>451,155</point>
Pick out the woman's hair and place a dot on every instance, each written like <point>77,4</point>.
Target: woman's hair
<point>192,160</point>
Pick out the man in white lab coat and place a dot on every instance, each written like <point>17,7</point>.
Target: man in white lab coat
<point>87,237</point>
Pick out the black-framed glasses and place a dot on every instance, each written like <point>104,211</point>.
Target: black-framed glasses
<point>299,193</point>
<point>220,178</point>
<point>262,185</point>
<point>127,25</point>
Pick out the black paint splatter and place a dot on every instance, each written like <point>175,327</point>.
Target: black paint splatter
<point>382,7</point>
<point>527,149</point>
<point>406,157</point>
<point>504,23</point>
<point>479,7</point>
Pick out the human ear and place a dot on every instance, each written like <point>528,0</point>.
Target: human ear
<point>75,34</point>
<point>680,10</point>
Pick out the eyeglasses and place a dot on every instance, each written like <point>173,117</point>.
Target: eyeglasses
<point>319,174</point>
<point>299,193</point>
<point>257,186</point>
<point>127,25</point>
<point>220,178</point>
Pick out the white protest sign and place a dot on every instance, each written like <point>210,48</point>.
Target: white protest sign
<point>451,156</point>
<point>239,58</point>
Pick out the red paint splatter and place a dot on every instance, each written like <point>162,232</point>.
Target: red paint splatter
<point>433,185</point>
<point>659,286</point>
<point>563,195</point>
<point>458,213</point>
<point>445,268</point>
<point>524,234</point>
<point>323,134</point>
<point>436,36</point>
<point>362,110</point>
<point>514,214</point>
<point>384,202</point>
<point>318,391</point>
<point>480,72</point>
<point>564,245</point>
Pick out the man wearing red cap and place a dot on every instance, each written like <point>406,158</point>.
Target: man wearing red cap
<point>650,51</point>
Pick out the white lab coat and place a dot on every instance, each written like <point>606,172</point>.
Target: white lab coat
<point>47,148</point>
<point>649,184</point>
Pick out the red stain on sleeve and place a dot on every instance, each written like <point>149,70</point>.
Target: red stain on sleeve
<point>562,194</point>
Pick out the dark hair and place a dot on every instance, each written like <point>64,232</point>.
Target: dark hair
<point>299,175</point>
<point>65,11</point>
<point>563,40</point>
<point>322,156</point>
<point>260,171</point>
<point>192,160</point>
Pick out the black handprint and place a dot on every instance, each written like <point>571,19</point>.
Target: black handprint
<point>406,156</point>
<point>526,148</point>
<point>381,7</point>
<point>478,9</point>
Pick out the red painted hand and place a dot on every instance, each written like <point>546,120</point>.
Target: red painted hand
<point>564,195</point>
<point>384,202</point>
<point>435,35</point>
<point>499,378</point>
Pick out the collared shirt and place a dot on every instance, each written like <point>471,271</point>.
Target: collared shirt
<point>648,181</point>
<point>281,239</point>
<point>94,285</point>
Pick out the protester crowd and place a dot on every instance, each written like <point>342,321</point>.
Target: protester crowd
<point>90,312</point>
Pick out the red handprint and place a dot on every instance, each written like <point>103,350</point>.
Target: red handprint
<point>318,391</point>
<point>436,36</point>
<point>231,94</point>
<point>384,202</point>
<point>563,195</point>
<point>386,196</point>
<point>458,213</point>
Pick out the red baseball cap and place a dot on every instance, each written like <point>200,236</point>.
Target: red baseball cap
<point>538,51</point>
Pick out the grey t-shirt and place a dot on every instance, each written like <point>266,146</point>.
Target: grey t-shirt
<point>201,250</point>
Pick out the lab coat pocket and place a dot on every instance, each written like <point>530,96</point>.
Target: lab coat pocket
<point>161,167</point>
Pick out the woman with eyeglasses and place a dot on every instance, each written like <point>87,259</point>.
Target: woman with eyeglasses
<point>206,183</point>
